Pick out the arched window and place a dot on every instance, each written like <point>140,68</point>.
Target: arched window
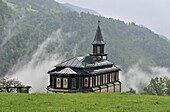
<point>86,82</point>
<point>65,82</point>
<point>58,82</point>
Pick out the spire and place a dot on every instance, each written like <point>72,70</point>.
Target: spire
<point>98,37</point>
<point>98,44</point>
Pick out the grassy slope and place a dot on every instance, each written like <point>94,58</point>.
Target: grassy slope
<point>93,102</point>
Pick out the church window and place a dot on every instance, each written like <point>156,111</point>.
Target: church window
<point>58,82</point>
<point>96,81</point>
<point>91,81</point>
<point>86,82</point>
<point>65,82</point>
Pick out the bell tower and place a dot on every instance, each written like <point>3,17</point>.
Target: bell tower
<point>98,44</point>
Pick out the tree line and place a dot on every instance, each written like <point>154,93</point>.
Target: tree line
<point>159,86</point>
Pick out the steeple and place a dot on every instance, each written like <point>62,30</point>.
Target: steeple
<point>98,37</point>
<point>98,44</point>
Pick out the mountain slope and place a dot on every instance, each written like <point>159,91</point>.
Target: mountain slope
<point>79,10</point>
<point>31,24</point>
<point>165,38</point>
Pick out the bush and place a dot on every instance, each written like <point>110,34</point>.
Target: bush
<point>131,90</point>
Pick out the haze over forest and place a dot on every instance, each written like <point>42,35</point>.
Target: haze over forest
<point>36,35</point>
<point>153,14</point>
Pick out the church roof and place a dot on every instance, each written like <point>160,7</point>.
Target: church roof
<point>98,37</point>
<point>67,70</point>
<point>104,70</point>
<point>83,62</point>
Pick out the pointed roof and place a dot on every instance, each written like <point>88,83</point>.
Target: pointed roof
<point>67,70</point>
<point>98,37</point>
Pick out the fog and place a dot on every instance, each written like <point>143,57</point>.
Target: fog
<point>137,79</point>
<point>34,73</point>
<point>153,14</point>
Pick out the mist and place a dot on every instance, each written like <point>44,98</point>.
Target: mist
<point>13,25</point>
<point>137,79</point>
<point>34,73</point>
<point>153,14</point>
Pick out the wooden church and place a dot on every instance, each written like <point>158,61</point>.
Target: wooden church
<point>93,73</point>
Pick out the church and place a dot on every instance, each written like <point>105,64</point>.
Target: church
<point>93,73</point>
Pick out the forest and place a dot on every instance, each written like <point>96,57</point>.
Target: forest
<point>25,25</point>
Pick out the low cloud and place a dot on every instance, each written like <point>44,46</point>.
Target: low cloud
<point>34,73</point>
<point>137,79</point>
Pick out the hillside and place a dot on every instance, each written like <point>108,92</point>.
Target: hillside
<point>43,29</point>
<point>79,9</point>
<point>92,102</point>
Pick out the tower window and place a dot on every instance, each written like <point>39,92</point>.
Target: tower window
<point>98,49</point>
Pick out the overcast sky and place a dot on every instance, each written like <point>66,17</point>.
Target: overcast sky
<point>153,14</point>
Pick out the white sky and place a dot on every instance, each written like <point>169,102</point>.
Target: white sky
<point>153,14</point>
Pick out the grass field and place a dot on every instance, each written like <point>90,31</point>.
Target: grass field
<point>92,102</point>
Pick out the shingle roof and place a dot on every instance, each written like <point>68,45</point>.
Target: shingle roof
<point>105,70</point>
<point>83,62</point>
<point>73,62</point>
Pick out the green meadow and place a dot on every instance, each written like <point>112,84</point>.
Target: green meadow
<point>83,102</point>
